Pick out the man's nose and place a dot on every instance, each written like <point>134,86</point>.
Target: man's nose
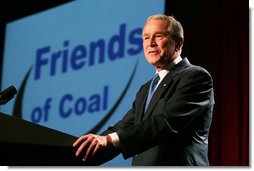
<point>152,42</point>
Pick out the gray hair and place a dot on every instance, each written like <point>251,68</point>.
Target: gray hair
<point>175,28</point>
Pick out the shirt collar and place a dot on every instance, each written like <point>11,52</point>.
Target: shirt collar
<point>172,64</point>
<point>165,71</point>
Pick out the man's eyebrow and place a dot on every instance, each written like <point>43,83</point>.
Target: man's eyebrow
<point>158,32</point>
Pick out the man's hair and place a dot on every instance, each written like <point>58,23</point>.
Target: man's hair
<point>175,28</point>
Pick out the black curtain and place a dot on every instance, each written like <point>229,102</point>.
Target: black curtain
<point>217,38</point>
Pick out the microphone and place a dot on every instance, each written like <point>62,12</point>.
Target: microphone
<point>7,94</point>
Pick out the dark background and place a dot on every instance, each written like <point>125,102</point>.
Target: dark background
<point>217,38</point>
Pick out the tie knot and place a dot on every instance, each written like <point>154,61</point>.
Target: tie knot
<point>157,76</point>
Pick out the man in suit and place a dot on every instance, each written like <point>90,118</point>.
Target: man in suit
<point>166,127</point>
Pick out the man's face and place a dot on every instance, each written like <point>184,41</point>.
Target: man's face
<point>158,47</point>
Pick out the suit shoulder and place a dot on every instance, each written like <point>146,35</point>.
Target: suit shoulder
<point>193,73</point>
<point>196,70</point>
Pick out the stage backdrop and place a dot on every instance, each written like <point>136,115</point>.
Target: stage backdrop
<point>78,66</point>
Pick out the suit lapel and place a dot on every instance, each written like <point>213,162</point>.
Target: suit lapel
<point>166,82</point>
<point>143,96</point>
<point>156,96</point>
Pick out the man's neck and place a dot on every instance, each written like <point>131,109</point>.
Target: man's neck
<point>169,65</point>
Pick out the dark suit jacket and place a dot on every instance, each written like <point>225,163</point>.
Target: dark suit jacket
<point>174,129</point>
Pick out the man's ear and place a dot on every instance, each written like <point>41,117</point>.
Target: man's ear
<point>179,44</point>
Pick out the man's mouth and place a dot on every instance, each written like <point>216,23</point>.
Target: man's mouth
<point>153,52</point>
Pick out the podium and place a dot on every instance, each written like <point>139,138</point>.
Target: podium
<point>23,143</point>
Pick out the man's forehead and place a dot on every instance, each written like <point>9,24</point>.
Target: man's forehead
<point>153,29</point>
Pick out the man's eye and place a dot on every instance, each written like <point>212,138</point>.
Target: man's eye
<point>146,37</point>
<point>159,36</point>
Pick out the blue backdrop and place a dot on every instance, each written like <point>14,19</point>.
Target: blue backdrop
<point>78,63</point>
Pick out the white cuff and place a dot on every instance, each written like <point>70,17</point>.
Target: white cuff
<point>115,139</point>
